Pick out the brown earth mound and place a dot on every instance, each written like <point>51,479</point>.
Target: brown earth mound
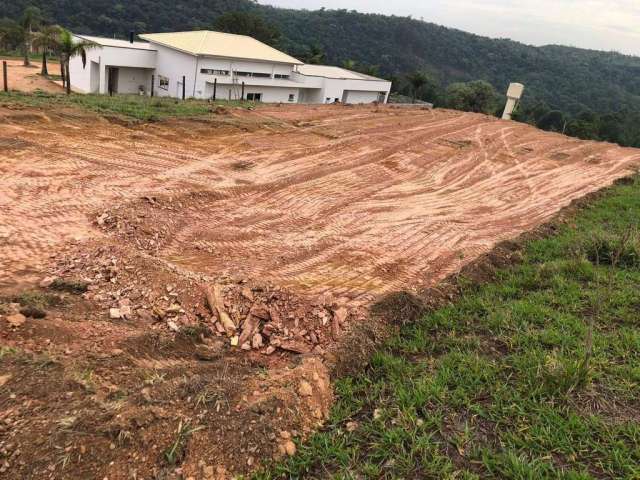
<point>198,276</point>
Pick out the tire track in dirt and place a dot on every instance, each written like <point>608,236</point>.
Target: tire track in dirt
<point>348,201</point>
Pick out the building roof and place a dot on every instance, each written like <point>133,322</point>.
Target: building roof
<point>328,71</point>
<point>217,44</point>
<point>114,42</point>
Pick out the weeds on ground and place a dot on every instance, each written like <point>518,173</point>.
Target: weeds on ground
<point>153,377</point>
<point>175,452</point>
<point>536,375</point>
<point>35,299</point>
<point>70,286</point>
<point>137,107</point>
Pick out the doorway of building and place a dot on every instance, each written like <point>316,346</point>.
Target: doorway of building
<point>112,82</point>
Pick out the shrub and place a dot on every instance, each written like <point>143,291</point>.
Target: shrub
<point>607,248</point>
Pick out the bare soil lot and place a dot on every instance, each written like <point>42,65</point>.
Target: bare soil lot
<point>28,79</point>
<point>298,217</point>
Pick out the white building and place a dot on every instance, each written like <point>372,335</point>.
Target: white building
<point>223,66</point>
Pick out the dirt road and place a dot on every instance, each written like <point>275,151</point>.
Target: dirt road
<point>28,79</point>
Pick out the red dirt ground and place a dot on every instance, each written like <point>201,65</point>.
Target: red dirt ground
<point>301,216</point>
<point>28,79</point>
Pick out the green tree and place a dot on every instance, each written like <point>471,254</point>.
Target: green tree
<point>418,81</point>
<point>554,121</point>
<point>477,96</point>
<point>350,64</point>
<point>10,35</point>
<point>315,55</point>
<point>47,39</point>
<point>70,48</point>
<point>30,17</point>
<point>247,23</point>
<point>585,125</point>
<point>371,70</point>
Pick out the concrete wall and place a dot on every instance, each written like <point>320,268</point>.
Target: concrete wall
<point>269,94</point>
<point>361,97</point>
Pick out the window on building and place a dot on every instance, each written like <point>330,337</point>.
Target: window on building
<point>254,97</point>
<point>292,97</point>
<point>252,74</point>
<point>281,76</point>
<point>212,71</point>
<point>163,82</point>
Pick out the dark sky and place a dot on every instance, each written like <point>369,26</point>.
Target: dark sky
<point>597,24</point>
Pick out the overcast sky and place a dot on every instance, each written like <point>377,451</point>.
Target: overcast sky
<point>597,24</point>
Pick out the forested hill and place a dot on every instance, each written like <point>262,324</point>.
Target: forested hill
<point>570,79</point>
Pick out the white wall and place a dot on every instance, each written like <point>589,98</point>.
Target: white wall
<point>327,90</point>
<point>361,97</point>
<point>83,79</point>
<point>130,80</point>
<point>174,64</point>
<point>269,94</point>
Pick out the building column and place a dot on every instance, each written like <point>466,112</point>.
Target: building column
<point>103,78</point>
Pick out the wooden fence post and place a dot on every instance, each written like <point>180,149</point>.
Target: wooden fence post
<point>153,81</point>
<point>242,97</point>
<point>5,76</point>
<point>184,87</point>
<point>215,88</point>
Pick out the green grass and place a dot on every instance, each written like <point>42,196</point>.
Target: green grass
<point>135,107</point>
<point>496,384</point>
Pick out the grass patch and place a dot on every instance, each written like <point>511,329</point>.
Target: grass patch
<point>134,107</point>
<point>71,286</point>
<point>34,300</point>
<point>536,375</point>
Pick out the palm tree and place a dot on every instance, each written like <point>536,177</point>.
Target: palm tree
<point>70,48</point>
<point>417,80</point>
<point>30,16</point>
<point>48,40</point>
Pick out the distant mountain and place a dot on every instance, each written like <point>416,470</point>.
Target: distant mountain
<point>569,79</point>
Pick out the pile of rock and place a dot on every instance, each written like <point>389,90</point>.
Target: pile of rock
<point>252,316</point>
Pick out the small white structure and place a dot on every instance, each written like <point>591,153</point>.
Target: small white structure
<point>214,65</point>
<point>514,94</point>
<point>114,66</point>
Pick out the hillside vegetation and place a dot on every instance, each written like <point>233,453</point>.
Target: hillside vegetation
<point>574,81</point>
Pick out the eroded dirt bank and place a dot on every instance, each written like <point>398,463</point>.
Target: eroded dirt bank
<point>293,220</point>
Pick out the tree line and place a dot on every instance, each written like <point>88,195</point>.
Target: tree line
<point>32,32</point>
